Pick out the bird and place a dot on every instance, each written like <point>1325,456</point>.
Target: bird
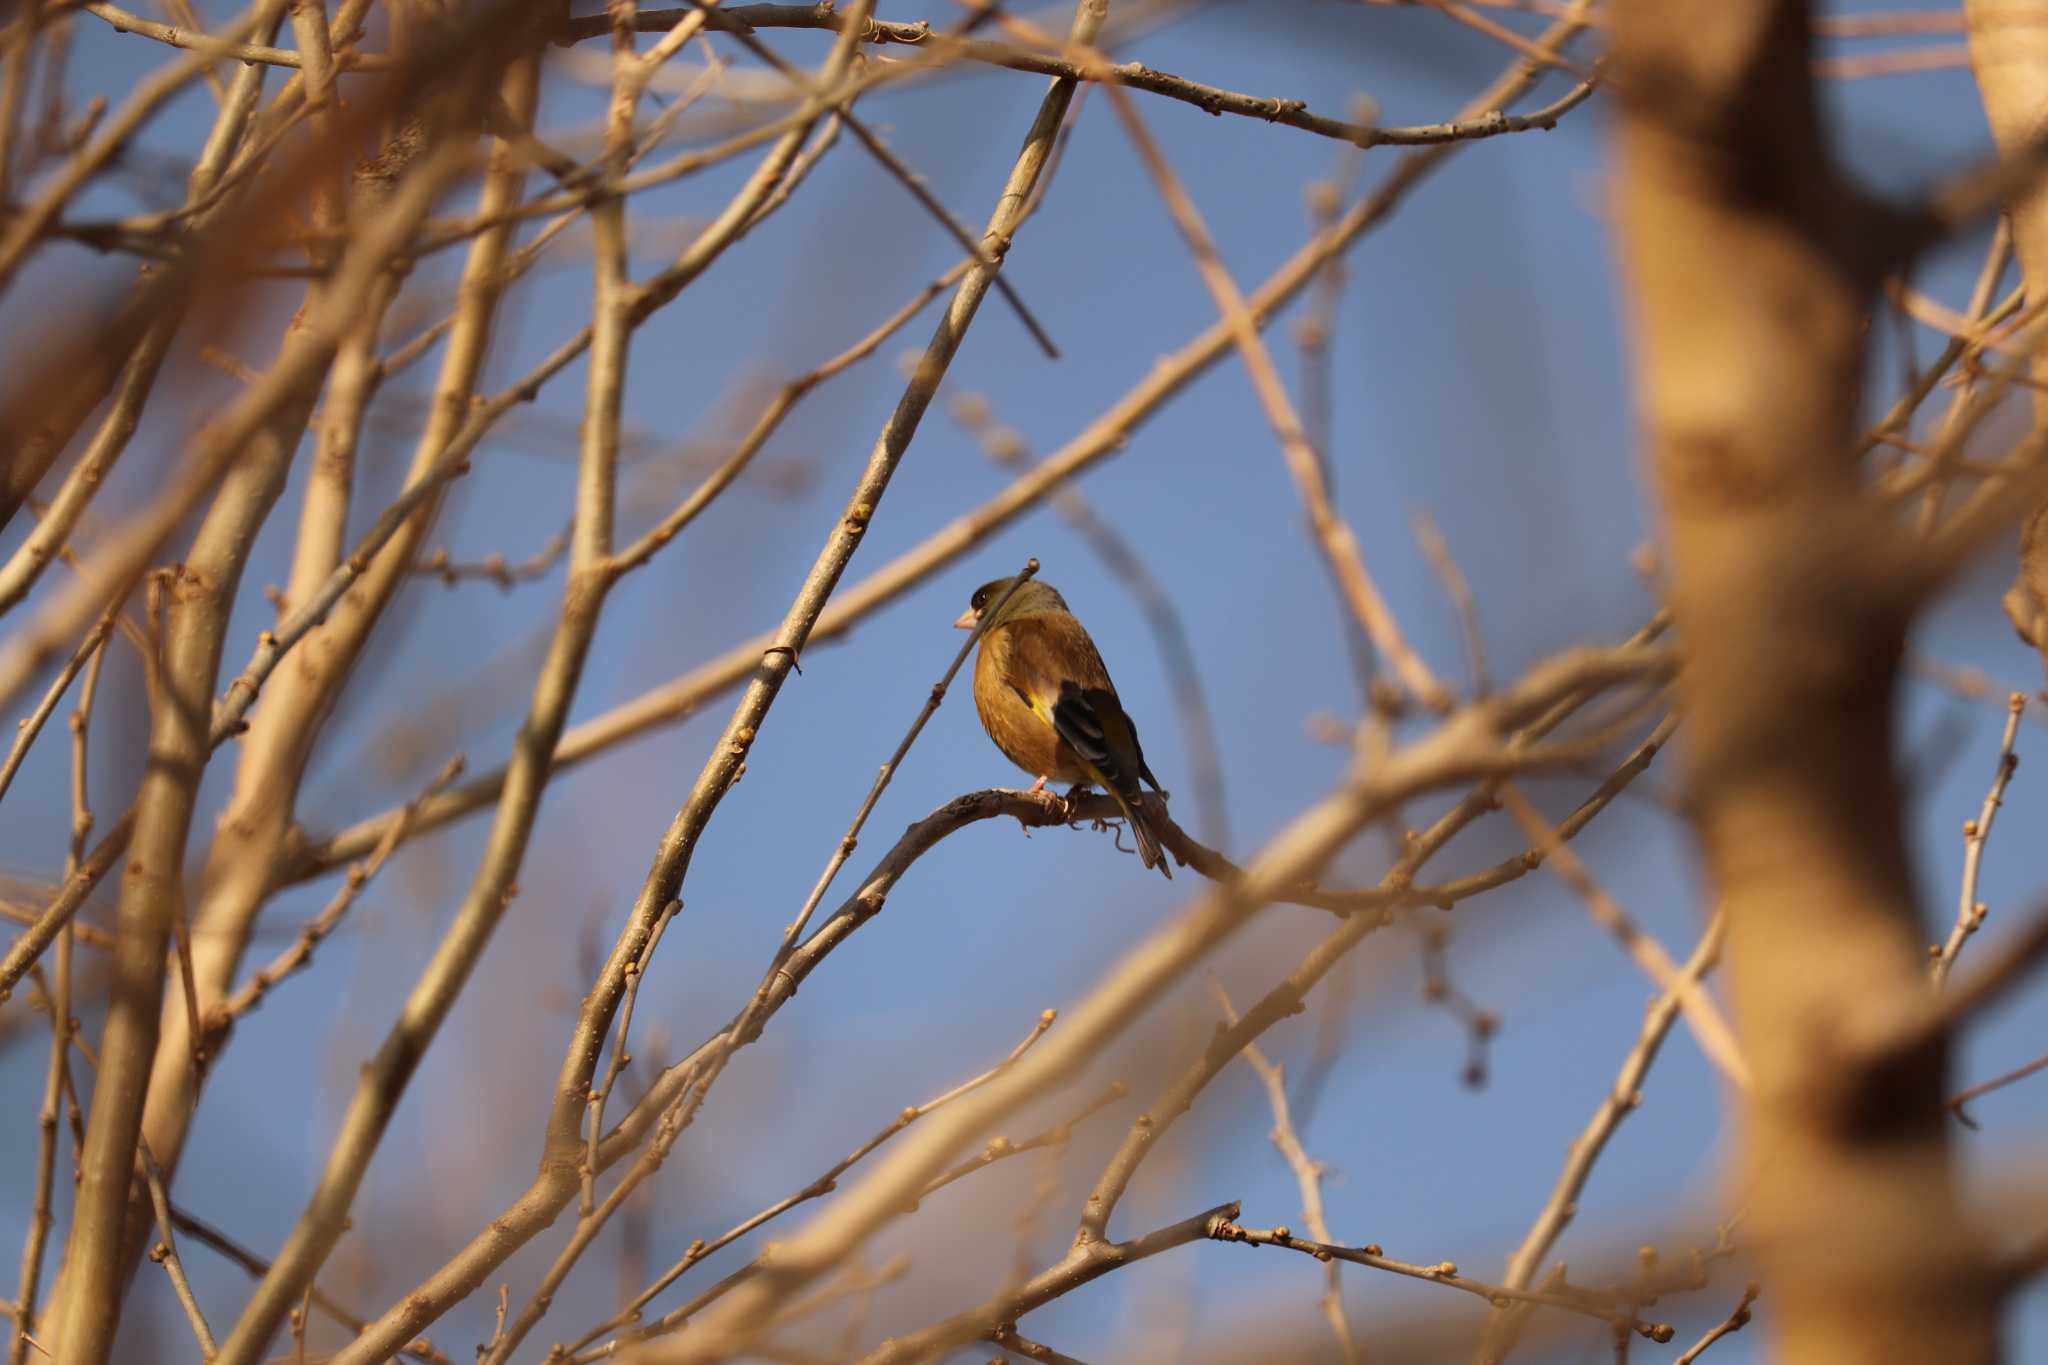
<point>1046,700</point>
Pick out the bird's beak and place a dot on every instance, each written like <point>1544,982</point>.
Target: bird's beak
<point>967,621</point>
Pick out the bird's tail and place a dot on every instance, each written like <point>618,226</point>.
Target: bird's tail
<point>1149,851</point>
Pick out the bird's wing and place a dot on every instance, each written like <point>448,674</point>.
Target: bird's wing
<point>1055,668</point>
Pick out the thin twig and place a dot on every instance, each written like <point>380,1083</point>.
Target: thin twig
<point>1736,1320</point>
<point>1446,1273</point>
<point>1438,552</point>
<point>31,725</point>
<point>621,1056</point>
<point>2000,1082</point>
<point>166,1251</point>
<point>1969,912</point>
<point>1002,1149</point>
<point>300,953</point>
<point>1286,998</point>
<point>1016,1343</point>
<point>495,567</point>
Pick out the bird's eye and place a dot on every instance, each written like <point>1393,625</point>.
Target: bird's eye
<point>980,602</point>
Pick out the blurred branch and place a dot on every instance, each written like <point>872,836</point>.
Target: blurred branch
<point>1000,1148</point>
<point>1885,1034</point>
<point>1438,551</point>
<point>1983,1088</point>
<point>226,210</point>
<point>137,380</point>
<point>771,417</point>
<point>1793,589</point>
<point>277,746</point>
<point>495,567</point>
<point>1017,1344</point>
<point>126,551</point>
<point>63,1030</point>
<point>1479,1023</point>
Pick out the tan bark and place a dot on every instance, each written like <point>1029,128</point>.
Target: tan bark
<point>2009,53</point>
<point>1748,259</point>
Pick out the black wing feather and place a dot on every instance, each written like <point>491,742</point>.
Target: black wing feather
<point>1078,717</point>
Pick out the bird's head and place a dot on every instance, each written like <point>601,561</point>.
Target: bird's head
<point>1033,599</point>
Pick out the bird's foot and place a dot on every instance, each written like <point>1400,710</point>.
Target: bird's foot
<point>1038,786</point>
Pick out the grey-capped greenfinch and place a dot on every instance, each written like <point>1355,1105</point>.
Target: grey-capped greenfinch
<point>1046,700</point>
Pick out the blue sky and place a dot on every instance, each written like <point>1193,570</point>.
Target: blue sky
<point>1480,375</point>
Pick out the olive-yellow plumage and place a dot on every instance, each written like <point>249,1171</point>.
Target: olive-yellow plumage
<point>1046,700</point>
